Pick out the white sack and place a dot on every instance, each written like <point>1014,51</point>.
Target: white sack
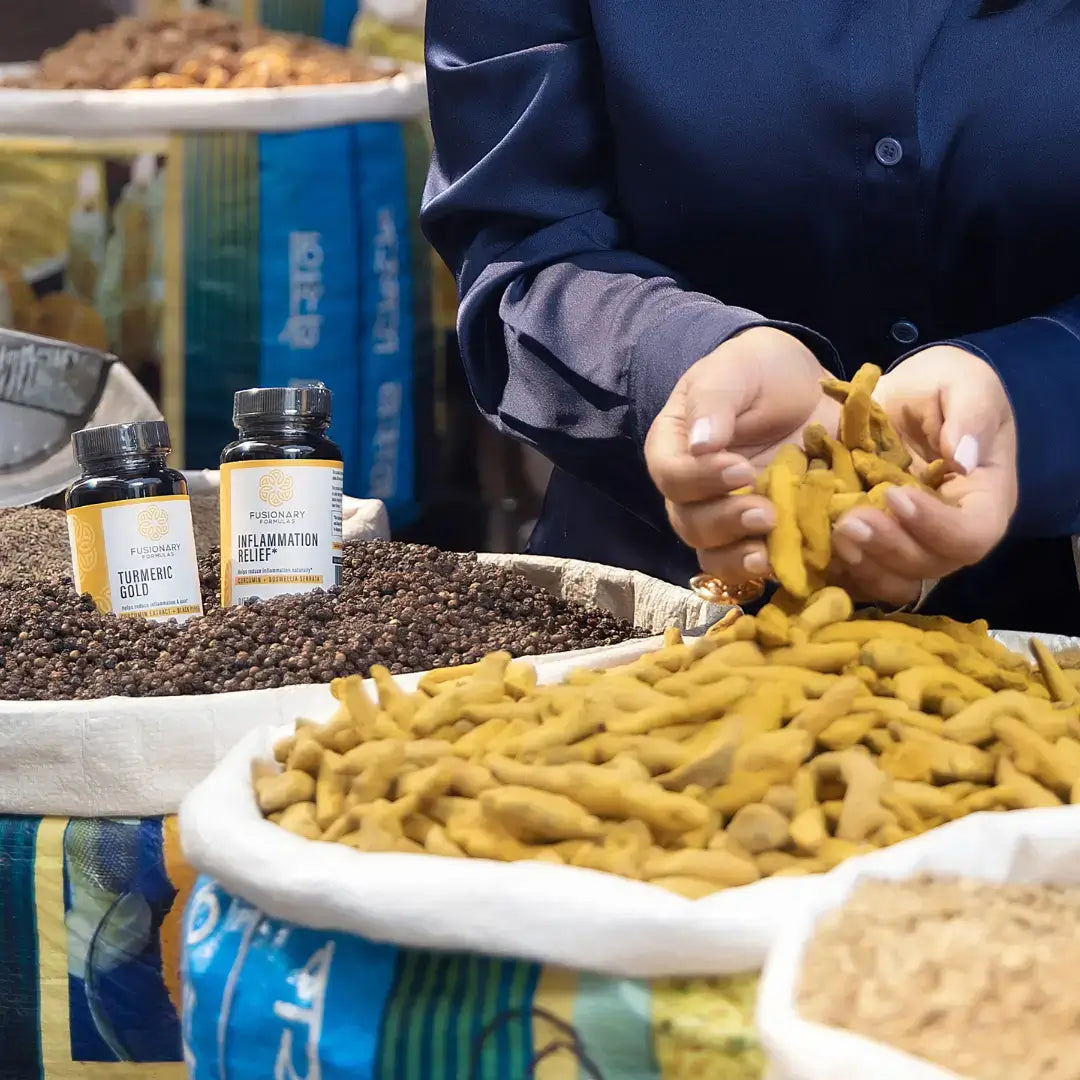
<point>549,914</point>
<point>91,114</point>
<point>645,601</point>
<point>127,757</point>
<point>1025,846</point>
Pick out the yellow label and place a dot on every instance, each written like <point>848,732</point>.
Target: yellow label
<point>137,557</point>
<point>280,528</point>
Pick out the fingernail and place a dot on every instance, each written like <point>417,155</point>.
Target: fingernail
<point>700,433</point>
<point>737,476</point>
<point>855,529</point>
<point>757,519</point>
<point>901,503</point>
<point>756,563</point>
<point>967,454</point>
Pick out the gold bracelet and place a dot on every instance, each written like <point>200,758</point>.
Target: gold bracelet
<point>714,591</point>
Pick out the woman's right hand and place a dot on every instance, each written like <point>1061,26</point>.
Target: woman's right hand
<point>725,420</point>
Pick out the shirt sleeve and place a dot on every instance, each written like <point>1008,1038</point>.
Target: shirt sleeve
<point>1038,362</point>
<point>570,339</point>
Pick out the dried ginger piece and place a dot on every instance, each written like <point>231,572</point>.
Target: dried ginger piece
<point>976,978</point>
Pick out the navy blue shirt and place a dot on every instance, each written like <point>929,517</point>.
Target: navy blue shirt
<point>620,186</point>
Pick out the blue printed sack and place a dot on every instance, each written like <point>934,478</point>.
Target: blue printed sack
<point>265,999</point>
<point>330,20</point>
<point>90,948</point>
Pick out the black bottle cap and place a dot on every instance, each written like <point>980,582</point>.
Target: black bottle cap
<point>293,402</point>
<point>119,440</point>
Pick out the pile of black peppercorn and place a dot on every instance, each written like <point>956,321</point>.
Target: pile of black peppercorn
<point>33,545</point>
<point>406,606</point>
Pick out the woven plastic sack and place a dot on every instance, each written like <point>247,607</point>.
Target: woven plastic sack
<point>1028,846</point>
<point>90,953</point>
<point>264,998</point>
<point>124,756</point>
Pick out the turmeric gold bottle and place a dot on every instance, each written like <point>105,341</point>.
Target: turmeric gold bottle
<point>281,485</point>
<point>129,521</point>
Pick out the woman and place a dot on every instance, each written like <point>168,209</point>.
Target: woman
<point>667,220</point>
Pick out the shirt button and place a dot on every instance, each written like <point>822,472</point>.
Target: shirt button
<point>888,152</point>
<point>905,332</point>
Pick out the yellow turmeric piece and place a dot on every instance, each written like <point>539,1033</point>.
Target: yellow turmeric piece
<point>836,702</point>
<point>773,626</point>
<point>1061,689</point>
<point>875,471</point>
<point>828,658</point>
<point>784,543</point>
<point>825,608</point>
<point>835,454</point>
<point>331,787</point>
<point>305,754</point>
<point>300,820</point>
<point>809,831</point>
<point>812,514</point>
<point>275,793</point>
<point>855,414</point>
<point>948,760</point>
<point>689,887</point>
<point>539,816</point>
<point>935,474</point>
<point>719,867</point>
<point>759,828</point>
<point>1040,759</point>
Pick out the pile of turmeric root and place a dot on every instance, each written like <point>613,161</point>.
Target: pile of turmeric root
<point>776,744</point>
<point>812,486</point>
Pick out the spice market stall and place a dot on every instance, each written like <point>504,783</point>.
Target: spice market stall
<point>498,869</point>
<point>88,778</point>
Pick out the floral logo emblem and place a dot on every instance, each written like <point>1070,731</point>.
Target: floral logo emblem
<point>84,545</point>
<point>275,488</point>
<point>152,523</point>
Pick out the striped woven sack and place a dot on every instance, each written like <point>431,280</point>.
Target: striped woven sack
<point>89,954</point>
<point>263,999</point>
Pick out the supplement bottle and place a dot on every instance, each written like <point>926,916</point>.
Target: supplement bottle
<point>280,496</point>
<point>129,520</point>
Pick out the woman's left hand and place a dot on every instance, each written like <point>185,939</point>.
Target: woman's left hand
<point>945,403</point>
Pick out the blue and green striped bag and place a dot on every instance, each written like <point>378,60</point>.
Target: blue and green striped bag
<point>298,257</point>
<point>264,999</point>
<point>90,948</point>
<point>330,20</point>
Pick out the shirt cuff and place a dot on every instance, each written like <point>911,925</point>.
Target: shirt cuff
<point>1038,362</point>
<point>675,343</point>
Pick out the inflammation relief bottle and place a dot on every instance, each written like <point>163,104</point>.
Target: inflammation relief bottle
<point>129,520</point>
<point>280,496</point>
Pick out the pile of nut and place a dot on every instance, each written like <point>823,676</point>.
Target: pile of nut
<point>196,49</point>
<point>777,744</point>
<point>977,978</point>
<point>403,606</point>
